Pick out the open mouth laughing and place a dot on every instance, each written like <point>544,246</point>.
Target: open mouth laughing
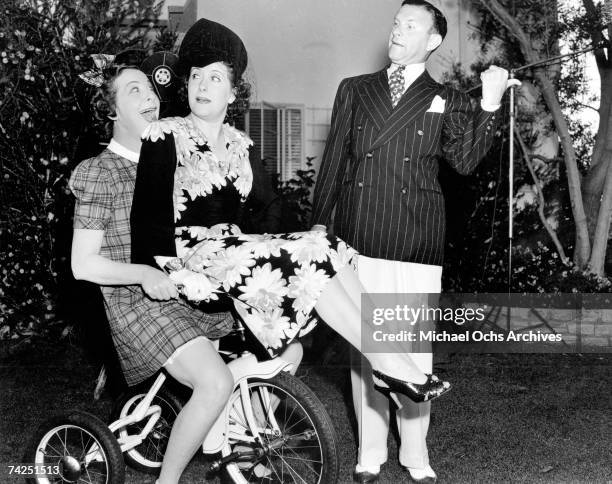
<point>149,114</point>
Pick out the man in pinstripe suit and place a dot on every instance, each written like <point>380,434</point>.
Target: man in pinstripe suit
<point>379,171</point>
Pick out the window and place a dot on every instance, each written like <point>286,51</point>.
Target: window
<point>278,134</point>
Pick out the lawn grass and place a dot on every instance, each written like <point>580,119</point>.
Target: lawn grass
<point>509,418</point>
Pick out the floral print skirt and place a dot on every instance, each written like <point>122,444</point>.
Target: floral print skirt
<point>277,278</point>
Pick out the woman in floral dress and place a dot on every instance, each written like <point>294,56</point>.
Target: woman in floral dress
<point>150,325</point>
<point>194,176</point>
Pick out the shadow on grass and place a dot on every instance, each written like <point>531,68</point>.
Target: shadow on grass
<point>510,418</point>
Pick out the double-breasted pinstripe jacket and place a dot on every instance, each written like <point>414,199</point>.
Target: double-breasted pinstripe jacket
<point>380,165</point>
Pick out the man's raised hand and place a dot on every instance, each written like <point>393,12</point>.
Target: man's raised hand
<point>494,84</point>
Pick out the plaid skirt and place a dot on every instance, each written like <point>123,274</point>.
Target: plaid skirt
<point>146,332</point>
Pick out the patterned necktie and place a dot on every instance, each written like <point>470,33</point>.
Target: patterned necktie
<point>396,84</point>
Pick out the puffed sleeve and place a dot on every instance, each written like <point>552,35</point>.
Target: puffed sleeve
<point>91,184</point>
<point>152,216</point>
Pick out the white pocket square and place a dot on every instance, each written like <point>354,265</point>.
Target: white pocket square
<point>437,105</point>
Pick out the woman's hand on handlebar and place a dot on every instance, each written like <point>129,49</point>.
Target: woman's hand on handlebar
<point>157,285</point>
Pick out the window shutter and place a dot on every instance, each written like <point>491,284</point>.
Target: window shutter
<point>278,134</point>
<point>293,143</point>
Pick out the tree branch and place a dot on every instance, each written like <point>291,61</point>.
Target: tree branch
<point>545,159</point>
<point>542,201</point>
<point>596,34</point>
<point>587,106</point>
<point>511,23</point>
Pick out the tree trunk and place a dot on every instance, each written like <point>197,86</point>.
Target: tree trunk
<point>598,183</point>
<point>582,247</point>
<point>600,240</point>
<point>602,159</point>
<point>541,199</point>
<point>593,182</point>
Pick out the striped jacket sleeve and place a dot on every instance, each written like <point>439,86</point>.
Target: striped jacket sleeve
<point>333,163</point>
<point>467,134</point>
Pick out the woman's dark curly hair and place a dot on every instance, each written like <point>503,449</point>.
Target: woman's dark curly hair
<point>242,91</point>
<point>104,99</point>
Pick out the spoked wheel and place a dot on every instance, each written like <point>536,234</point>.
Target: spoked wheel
<point>80,446</point>
<point>148,456</point>
<point>294,442</point>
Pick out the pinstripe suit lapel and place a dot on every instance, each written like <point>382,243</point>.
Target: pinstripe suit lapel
<point>415,101</point>
<point>376,99</point>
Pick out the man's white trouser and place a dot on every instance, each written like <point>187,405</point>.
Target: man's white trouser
<point>371,407</point>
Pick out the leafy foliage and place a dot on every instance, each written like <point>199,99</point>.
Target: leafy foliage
<point>45,130</point>
<point>295,199</point>
<point>477,206</point>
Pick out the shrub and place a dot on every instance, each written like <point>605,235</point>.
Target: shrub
<point>295,197</point>
<point>45,130</point>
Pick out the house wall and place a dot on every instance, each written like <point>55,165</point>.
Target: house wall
<point>299,51</point>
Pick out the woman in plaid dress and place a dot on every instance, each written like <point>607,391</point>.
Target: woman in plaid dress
<point>194,174</point>
<point>150,325</point>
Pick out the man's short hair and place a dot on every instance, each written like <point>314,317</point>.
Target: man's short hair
<point>439,20</point>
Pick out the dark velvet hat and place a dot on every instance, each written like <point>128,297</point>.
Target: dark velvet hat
<point>207,42</point>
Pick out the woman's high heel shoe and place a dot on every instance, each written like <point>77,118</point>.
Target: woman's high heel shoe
<point>424,392</point>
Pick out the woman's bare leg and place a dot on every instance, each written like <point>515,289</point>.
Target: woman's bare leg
<point>340,307</point>
<point>199,367</point>
<point>349,280</point>
<point>293,354</point>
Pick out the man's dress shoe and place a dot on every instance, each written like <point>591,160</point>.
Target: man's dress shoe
<point>422,480</point>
